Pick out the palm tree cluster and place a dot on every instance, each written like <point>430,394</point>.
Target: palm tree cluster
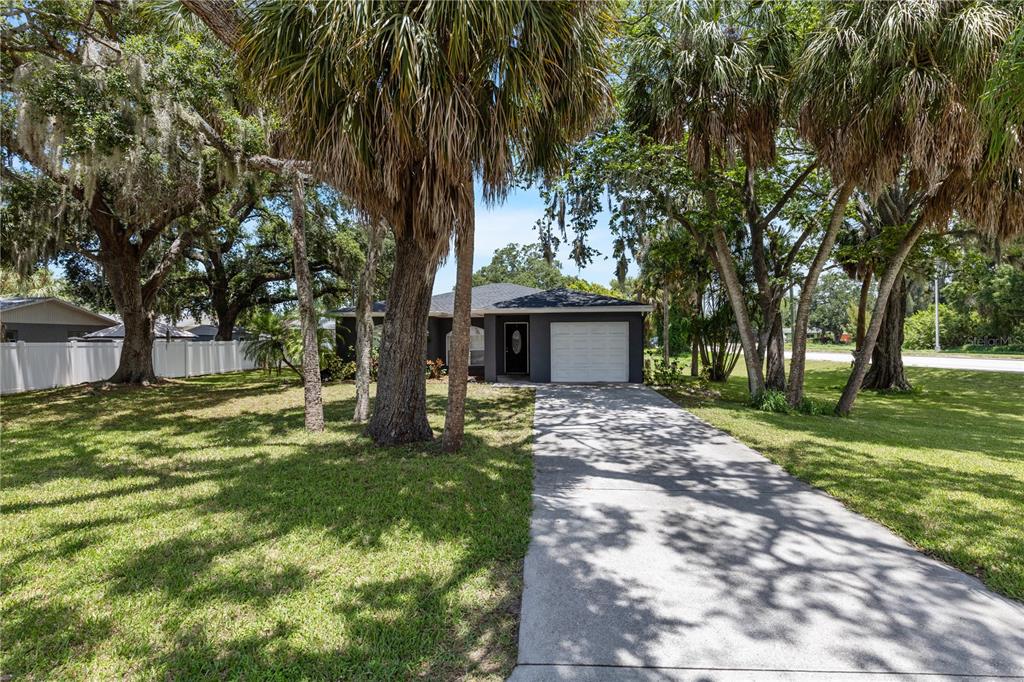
<point>792,110</point>
<point>401,107</point>
<point>759,123</point>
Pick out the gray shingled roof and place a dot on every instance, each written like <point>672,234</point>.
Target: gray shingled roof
<point>563,298</point>
<point>10,303</point>
<point>484,296</point>
<point>160,331</point>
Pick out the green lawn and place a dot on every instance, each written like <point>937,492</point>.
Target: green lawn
<point>194,531</point>
<point>942,466</point>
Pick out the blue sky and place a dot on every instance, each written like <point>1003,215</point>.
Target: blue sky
<point>513,222</point>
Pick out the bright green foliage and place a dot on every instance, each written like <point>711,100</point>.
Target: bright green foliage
<point>525,264</point>
<point>276,340</point>
<point>830,308</point>
<point>941,465</point>
<point>42,282</point>
<point>522,264</point>
<point>955,328</point>
<point>195,531</point>
<point>580,284</point>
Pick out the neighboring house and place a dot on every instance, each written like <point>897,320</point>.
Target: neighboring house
<point>208,332</point>
<point>161,330</point>
<point>47,319</point>
<point>558,335</point>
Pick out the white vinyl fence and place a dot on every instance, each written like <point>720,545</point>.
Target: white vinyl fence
<point>32,366</point>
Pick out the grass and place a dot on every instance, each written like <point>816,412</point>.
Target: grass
<point>942,466</point>
<point>194,531</point>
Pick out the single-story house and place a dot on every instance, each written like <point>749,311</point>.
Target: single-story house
<point>47,319</point>
<point>161,330</point>
<point>557,335</point>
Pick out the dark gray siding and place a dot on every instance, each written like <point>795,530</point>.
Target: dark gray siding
<point>345,337</point>
<point>51,333</point>
<point>437,330</point>
<point>490,348</point>
<point>540,341</point>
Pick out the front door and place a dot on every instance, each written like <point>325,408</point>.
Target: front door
<point>517,353</point>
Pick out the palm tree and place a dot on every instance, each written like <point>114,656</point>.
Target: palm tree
<point>1004,98</point>
<point>399,104</point>
<point>712,74</point>
<point>268,345</point>
<point>313,400</point>
<point>888,86</point>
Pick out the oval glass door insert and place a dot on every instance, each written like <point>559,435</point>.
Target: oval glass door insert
<point>517,342</point>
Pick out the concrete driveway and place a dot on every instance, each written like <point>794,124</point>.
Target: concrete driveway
<point>662,549</point>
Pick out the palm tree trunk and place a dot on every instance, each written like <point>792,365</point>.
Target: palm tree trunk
<point>313,397</point>
<point>364,321</point>
<point>400,411</point>
<point>748,340</point>
<point>458,359</point>
<point>775,362</point>
<point>666,305</point>
<point>862,308</point>
<point>795,394</point>
<point>885,286</point>
<point>886,372</point>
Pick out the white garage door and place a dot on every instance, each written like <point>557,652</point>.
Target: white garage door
<point>590,351</point>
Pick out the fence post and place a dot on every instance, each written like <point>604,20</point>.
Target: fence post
<point>71,375</point>
<point>19,351</point>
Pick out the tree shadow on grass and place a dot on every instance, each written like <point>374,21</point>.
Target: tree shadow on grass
<point>268,551</point>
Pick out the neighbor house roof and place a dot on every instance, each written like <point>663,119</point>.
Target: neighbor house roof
<point>443,305</point>
<point>504,298</point>
<point>8,304</point>
<point>160,331</point>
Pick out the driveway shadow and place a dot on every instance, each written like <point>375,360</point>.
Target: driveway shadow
<point>660,541</point>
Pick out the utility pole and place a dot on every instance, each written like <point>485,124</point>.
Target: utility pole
<point>936,287</point>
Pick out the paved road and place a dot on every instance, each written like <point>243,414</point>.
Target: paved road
<point>662,549</point>
<point>939,361</point>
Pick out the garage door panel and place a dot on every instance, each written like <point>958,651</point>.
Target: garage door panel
<point>589,351</point>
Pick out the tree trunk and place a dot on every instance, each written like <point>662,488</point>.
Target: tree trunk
<point>727,269</point>
<point>862,308</point>
<point>364,321</point>
<point>885,286</point>
<point>775,367</point>
<point>136,363</point>
<point>307,314</point>
<point>400,412</point>
<point>123,274</point>
<point>458,360</point>
<point>666,305</point>
<point>226,321</point>
<point>886,371</point>
<point>694,354</point>
<point>795,394</point>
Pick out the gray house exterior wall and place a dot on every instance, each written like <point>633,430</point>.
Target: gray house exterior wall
<point>437,330</point>
<point>49,333</point>
<point>540,341</point>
